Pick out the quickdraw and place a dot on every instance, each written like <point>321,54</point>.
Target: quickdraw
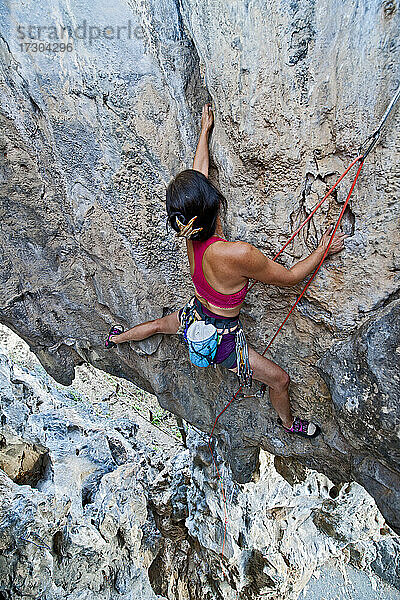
<point>190,315</point>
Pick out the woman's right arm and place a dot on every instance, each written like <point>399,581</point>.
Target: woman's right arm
<point>252,263</point>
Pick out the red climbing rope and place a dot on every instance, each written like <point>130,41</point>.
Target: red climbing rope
<point>361,159</point>
<point>365,149</point>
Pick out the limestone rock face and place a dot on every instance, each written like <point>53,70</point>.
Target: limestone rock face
<point>82,525</point>
<point>91,135</point>
<point>108,518</point>
<point>363,375</point>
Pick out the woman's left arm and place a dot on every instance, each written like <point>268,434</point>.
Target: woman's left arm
<point>201,158</point>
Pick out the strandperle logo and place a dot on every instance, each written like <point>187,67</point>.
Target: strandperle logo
<point>85,31</point>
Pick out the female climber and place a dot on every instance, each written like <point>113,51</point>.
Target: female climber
<point>220,270</point>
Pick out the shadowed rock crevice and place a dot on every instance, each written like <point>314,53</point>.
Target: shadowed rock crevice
<point>24,462</point>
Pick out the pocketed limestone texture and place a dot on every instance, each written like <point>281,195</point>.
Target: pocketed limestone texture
<point>91,136</point>
<point>109,516</point>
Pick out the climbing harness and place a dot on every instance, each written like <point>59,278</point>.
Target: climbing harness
<point>202,339</point>
<point>369,144</point>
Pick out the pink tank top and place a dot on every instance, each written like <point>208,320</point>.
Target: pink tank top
<point>203,288</point>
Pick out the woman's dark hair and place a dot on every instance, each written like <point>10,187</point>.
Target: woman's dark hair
<point>191,193</point>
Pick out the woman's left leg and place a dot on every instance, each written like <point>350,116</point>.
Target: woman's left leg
<point>268,372</point>
<point>278,380</point>
<point>168,324</point>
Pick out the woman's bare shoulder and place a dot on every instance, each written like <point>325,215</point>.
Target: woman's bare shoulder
<point>241,246</point>
<point>241,250</point>
<point>236,252</point>
<point>249,261</point>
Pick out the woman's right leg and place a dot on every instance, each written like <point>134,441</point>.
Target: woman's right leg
<point>277,380</point>
<point>168,324</point>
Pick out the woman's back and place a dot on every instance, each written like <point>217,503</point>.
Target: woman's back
<point>217,282</point>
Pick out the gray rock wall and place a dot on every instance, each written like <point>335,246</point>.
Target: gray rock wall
<point>89,140</point>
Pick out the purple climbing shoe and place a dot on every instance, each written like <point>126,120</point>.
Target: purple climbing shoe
<point>115,330</point>
<point>302,427</point>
